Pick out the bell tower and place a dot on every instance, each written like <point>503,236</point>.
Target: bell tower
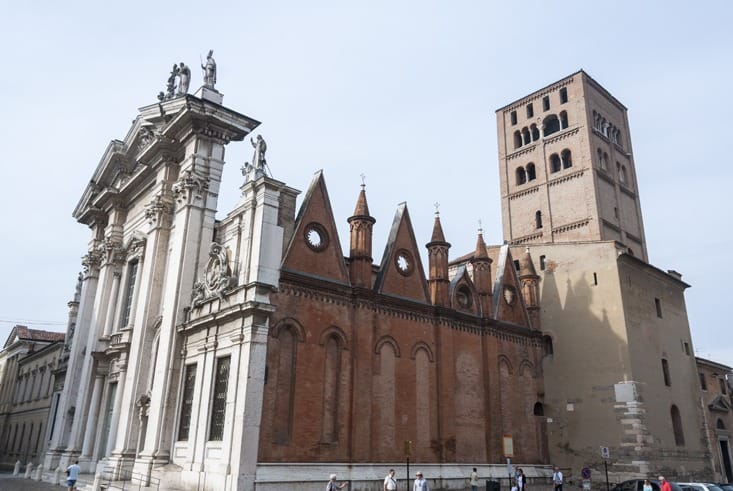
<point>567,167</point>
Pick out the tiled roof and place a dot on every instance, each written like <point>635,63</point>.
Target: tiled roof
<point>24,332</point>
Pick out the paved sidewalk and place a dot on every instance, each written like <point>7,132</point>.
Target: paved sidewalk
<point>8,482</point>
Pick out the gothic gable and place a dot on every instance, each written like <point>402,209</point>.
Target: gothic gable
<point>508,300</point>
<point>463,295</point>
<point>719,404</point>
<point>314,248</point>
<point>401,273</point>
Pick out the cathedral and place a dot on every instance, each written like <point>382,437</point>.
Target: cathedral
<point>257,352</point>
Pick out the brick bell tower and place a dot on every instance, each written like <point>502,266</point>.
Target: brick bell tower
<point>360,254</point>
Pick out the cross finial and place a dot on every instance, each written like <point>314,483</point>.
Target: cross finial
<point>480,227</point>
<point>363,178</point>
<point>436,205</point>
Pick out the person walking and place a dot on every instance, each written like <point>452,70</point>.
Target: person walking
<point>333,485</point>
<point>474,480</point>
<point>647,485</point>
<point>390,483</point>
<point>420,484</point>
<point>557,478</point>
<point>72,475</point>
<point>521,480</point>
<point>666,486</point>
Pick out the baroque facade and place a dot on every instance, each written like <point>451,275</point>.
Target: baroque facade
<point>225,354</point>
<point>621,371</point>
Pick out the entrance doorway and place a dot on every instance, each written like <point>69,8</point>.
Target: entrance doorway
<point>725,456</point>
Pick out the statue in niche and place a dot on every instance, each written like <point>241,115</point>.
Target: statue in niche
<point>209,70</point>
<point>184,77</point>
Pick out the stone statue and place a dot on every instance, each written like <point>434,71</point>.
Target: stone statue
<point>209,70</point>
<point>170,88</point>
<point>184,77</point>
<point>258,159</point>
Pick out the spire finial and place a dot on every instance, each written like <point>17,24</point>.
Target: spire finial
<point>363,179</point>
<point>436,205</point>
<point>480,227</point>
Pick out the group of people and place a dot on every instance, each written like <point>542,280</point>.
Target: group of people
<point>421,484</point>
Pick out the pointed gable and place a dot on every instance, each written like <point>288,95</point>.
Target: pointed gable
<point>508,300</point>
<point>401,273</point>
<point>463,295</point>
<point>314,248</point>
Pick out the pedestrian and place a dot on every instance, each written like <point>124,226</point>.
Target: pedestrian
<point>420,483</point>
<point>521,480</point>
<point>332,485</point>
<point>557,479</point>
<point>474,480</point>
<point>666,486</point>
<point>390,483</point>
<point>72,474</point>
<point>647,485</point>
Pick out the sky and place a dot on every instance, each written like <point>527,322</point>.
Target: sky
<point>402,92</point>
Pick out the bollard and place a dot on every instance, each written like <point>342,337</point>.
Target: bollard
<point>39,473</point>
<point>57,476</point>
<point>16,469</point>
<point>28,470</point>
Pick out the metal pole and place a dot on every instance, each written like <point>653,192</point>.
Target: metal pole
<point>408,472</point>
<point>605,466</point>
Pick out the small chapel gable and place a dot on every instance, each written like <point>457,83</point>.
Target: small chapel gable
<point>401,273</point>
<point>463,295</point>
<point>508,300</point>
<point>314,248</point>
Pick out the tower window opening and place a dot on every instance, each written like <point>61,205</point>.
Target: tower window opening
<point>531,172</point>
<point>658,305</point>
<point>543,263</point>
<point>526,136</point>
<point>535,132</point>
<point>595,279</point>
<point>516,264</point>
<point>567,159</point>
<point>517,139</point>
<point>665,372</point>
<point>538,219</point>
<point>546,103</point>
<point>679,436</point>
<point>686,346</point>
<point>563,120</point>
<point>513,117</point>
<point>530,110</point>
<point>538,409</point>
<point>615,211</point>
<point>555,164</point>
<point>551,124</point>
<point>521,176</point>
<point>563,95</point>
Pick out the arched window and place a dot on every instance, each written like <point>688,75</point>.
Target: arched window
<point>555,164</point>
<point>538,219</point>
<point>531,173</point>
<point>563,120</point>
<point>622,176</point>
<point>521,176</point>
<point>605,161</point>
<point>720,425</point>
<point>601,161</point>
<point>285,386</point>
<point>665,372</point>
<point>551,124</point>
<point>525,136</point>
<point>535,132</point>
<point>567,160</point>
<point>679,436</point>
<point>517,139</point>
<point>538,410</point>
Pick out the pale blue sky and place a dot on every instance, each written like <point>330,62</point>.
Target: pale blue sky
<point>404,92</point>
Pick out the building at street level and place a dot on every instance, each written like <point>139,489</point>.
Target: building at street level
<point>256,351</point>
<point>619,366</point>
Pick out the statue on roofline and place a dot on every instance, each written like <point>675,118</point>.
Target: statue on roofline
<point>209,70</point>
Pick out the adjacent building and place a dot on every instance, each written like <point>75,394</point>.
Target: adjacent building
<point>715,384</point>
<point>619,367</point>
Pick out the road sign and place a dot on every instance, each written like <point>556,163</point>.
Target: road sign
<point>585,472</point>
<point>605,454</point>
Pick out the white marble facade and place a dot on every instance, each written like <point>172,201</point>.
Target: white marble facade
<point>153,264</point>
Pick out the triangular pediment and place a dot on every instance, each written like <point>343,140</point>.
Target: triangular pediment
<point>314,248</point>
<point>508,300</point>
<point>463,296</point>
<point>720,404</point>
<point>401,273</point>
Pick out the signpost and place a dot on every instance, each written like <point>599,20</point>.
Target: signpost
<point>507,446</point>
<point>585,474</point>
<point>605,455</point>
<point>408,451</point>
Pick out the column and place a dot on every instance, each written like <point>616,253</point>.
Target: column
<point>112,303</point>
<point>91,423</point>
<point>115,416</point>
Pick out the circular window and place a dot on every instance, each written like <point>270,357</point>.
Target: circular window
<point>403,261</point>
<point>510,295</point>
<point>463,297</point>
<point>316,237</point>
